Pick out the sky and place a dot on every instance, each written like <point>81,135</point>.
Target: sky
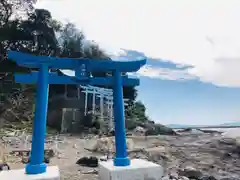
<point>192,48</point>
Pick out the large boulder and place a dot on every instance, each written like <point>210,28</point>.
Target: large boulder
<point>139,129</point>
<point>4,167</point>
<point>156,129</point>
<point>105,145</point>
<point>88,161</point>
<point>233,134</point>
<point>191,173</point>
<point>149,127</point>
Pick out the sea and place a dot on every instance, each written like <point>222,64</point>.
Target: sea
<point>224,129</point>
<point>226,132</point>
<point>218,129</point>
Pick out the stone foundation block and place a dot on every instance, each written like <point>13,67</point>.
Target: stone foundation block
<point>19,174</point>
<point>138,170</point>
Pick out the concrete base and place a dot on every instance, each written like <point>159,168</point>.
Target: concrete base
<point>138,170</point>
<point>19,174</point>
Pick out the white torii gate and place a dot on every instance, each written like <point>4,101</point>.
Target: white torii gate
<point>101,93</point>
<point>97,92</point>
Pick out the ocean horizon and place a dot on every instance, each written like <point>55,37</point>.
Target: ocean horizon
<point>218,129</point>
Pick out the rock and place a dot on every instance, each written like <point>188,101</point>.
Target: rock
<point>49,152</point>
<point>185,130</point>
<point>88,161</point>
<point>227,155</point>
<point>4,167</point>
<point>196,131</point>
<point>105,145</point>
<point>166,178</point>
<point>140,129</point>
<point>238,142</point>
<point>104,158</point>
<point>173,175</point>
<point>192,131</point>
<point>129,134</point>
<point>95,131</point>
<point>11,134</point>
<point>158,149</point>
<point>156,129</point>
<point>91,145</point>
<point>232,133</point>
<point>230,178</point>
<point>191,173</point>
<point>26,160</point>
<point>112,132</point>
<point>2,120</point>
<point>227,141</point>
<point>94,171</point>
<point>210,131</point>
<point>207,178</point>
<point>183,178</point>
<point>157,153</point>
<point>46,160</point>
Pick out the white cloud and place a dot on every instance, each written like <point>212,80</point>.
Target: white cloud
<point>164,73</point>
<point>201,33</point>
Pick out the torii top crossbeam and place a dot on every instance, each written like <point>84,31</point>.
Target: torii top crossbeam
<point>92,65</point>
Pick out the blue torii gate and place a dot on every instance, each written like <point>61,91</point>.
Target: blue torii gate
<point>82,69</point>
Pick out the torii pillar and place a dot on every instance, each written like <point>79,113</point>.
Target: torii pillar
<point>121,158</point>
<point>36,164</point>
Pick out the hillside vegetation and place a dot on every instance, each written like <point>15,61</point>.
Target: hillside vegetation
<point>34,31</point>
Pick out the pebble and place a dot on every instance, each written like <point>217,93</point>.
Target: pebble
<point>4,167</point>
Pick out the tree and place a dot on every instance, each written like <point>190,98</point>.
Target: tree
<point>137,112</point>
<point>32,34</point>
<point>74,44</point>
<point>11,10</point>
<point>41,29</point>
<point>37,33</point>
<point>70,40</point>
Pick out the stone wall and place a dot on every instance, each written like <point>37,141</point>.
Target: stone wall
<point>68,114</point>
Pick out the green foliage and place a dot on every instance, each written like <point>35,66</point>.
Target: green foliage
<point>34,31</point>
<point>135,115</point>
<point>70,40</point>
<point>137,112</point>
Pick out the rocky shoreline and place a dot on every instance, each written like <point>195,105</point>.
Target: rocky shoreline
<point>203,156</point>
